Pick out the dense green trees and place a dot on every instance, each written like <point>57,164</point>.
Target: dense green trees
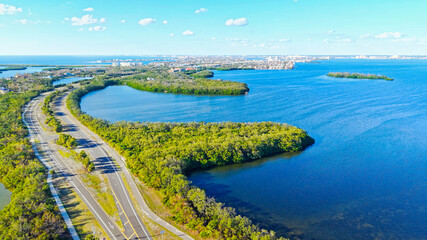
<point>198,86</point>
<point>161,154</point>
<point>163,82</point>
<point>67,141</point>
<point>32,212</point>
<point>85,160</point>
<point>203,74</point>
<point>12,68</point>
<point>358,76</point>
<point>46,108</point>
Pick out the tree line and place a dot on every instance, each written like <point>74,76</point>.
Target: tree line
<point>162,154</point>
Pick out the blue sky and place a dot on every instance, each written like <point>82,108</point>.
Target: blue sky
<point>221,27</point>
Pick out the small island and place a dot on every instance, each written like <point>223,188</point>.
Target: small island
<point>358,76</point>
<point>181,83</point>
<point>12,68</point>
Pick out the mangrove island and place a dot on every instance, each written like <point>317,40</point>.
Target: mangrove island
<point>358,76</point>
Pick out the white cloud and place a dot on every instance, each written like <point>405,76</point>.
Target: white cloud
<point>165,22</point>
<point>331,31</point>
<point>81,29</point>
<point>67,19</point>
<point>9,9</point>
<point>97,28</point>
<point>389,35</point>
<point>23,21</point>
<point>347,40</point>
<point>89,9</point>
<point>201,10</point>
<point>365,36</point>
<point>86,19</point>
<point>213,38</point>
<point>123,21</point>
<point>405,39</point>
<point>102,20</point>
<point>188,33</point>
<point>284,40</point>
<point>237,22</point>
<point>146,21</point>
<point>172,34</point>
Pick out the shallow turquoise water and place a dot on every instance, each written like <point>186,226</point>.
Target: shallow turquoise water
<point>364,178</point>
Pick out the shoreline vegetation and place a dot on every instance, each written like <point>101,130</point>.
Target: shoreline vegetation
<point>197,85</point>
<point>12,68</point>
<point>163,154</point>
<point>358,76</point>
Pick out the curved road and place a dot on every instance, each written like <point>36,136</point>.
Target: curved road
<point>66,117</point>
<point>133,226</point>
<point>104,158</point>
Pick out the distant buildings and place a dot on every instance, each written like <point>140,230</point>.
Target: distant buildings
<point>126,64</point>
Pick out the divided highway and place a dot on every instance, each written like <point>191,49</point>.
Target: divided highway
<point>106,160</point>
<point>52,157</point>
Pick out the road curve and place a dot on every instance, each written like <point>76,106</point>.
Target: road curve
<point>53,190</point>
<point>66,116</point>
<point>54,160</point>
<point>133,227</point>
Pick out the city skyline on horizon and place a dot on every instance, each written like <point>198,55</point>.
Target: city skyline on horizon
<point>143,28</point>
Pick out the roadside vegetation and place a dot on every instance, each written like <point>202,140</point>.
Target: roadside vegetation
<point>85,160</point>
<point>67,141</point>
<point>32,212</point>
<point>358,76</point>
<point>51,120</point>
<point>163,154</point>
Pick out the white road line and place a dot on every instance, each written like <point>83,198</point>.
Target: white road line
<point>61,207</point>
<point>67,176</point>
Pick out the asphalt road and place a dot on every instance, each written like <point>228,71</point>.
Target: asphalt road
<point>133,226</point>
<point>107,161</point>
<point>91,138</point>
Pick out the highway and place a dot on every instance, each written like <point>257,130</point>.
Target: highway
<point>133,226</point>
<point>65,116</point>
<point>107,161</point>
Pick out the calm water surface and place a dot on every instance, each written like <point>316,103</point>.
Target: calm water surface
<point>5,196</point>
<point>12,73</point>
<point>69,80</point>
<point>364,178</point>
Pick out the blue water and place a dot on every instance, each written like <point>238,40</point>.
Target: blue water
<point>69,80</point>
<point>5,196</point>
<point>12,73</point>
<point>364,178</point>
